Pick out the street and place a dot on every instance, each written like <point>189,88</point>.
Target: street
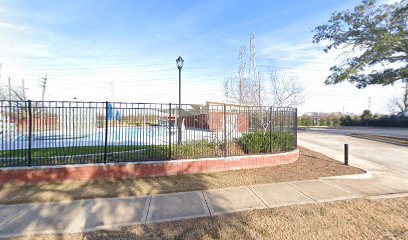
<point>376,157</point>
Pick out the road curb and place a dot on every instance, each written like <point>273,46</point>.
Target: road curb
<point>378,140</point>
<point>387,196</point>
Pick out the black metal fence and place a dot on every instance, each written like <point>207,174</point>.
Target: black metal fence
<point>34,133</point>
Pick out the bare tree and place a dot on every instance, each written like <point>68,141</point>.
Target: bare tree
<point>286,90</point>
<point>14,97</point>
<point>16,94</point>
<point>246,91</point>
<point>399,104</point>
<point>251,90</point>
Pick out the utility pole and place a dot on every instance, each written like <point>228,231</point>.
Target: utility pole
<point>43,85</point>
<point>111,85</point>
<point>9,115</point>
<point>9,89</point>
<point>24,97</point>
<point>24,92</point>
<point>405,99</point>
<point>369,103</point>
<point>259,88</point>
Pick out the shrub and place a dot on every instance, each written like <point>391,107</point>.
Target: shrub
<point>259,142</point>
<point>336,122</point>
<point>196,149</point>
<point>304,121</point>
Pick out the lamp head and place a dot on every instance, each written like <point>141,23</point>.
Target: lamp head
<point>180,62</point>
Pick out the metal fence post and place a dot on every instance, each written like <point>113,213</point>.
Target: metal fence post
<point>225,130</point>
<point>30,132</point>
<point>270,130</point>
<point>346,153</point>
<point>296,128</point>
<point>169,123</point>
<point>105,155</point>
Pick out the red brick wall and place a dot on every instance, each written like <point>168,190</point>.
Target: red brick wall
<point>215,121</point>
<point>83,173</point>
<point>38,123</point>
<point>197,121</point>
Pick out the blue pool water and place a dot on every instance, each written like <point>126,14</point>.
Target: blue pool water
<point>137,134</point>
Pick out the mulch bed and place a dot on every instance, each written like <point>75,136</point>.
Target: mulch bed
<point>310,165</point>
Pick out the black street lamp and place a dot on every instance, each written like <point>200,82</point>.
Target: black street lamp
<point>180,63</point>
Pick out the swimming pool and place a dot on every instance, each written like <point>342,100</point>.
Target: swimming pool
<point>131,136</point>
<point>115,136</point>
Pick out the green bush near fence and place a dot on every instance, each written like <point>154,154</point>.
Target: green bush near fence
<point>259,142</point>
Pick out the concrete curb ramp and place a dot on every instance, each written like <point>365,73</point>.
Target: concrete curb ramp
<point>94,214</point>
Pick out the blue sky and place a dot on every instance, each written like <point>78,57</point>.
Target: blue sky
<point>126,50</point>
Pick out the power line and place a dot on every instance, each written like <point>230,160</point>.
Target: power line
<point>127,66</point>
<point>109,66</point>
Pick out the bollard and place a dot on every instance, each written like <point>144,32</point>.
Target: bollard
<point>346,151</point>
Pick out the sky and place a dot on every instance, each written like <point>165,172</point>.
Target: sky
<point>101,50</point>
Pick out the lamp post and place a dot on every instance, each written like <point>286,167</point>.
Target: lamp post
<point>180,63</point>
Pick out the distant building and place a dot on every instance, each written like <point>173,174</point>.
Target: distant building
<point>211,117</point>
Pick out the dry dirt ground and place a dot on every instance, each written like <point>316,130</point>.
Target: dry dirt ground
<point>349,219</point>
<point>310,165</point>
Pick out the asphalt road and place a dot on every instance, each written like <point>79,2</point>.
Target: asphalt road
<point>377,157</point>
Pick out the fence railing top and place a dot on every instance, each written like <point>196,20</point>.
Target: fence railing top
<point>193,105</point>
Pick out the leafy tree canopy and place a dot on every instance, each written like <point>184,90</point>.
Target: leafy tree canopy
<point>367,115</point>
<point>377,36</point>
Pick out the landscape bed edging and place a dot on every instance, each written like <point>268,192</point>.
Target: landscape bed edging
<point>90,172</point>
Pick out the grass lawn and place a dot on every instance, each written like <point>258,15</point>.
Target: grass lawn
<point>66,151</point>
<point>82,154</point>
<point>348,219</point>
<point>310,165</point>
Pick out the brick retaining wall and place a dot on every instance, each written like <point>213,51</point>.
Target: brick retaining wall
<point>88,172</point>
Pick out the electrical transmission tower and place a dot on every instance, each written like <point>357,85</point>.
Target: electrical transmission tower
<point>252,66</point>
<point>242,64</point>
<point>253,72</point>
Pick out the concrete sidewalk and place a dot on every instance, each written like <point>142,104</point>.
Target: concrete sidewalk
<point>93,214</point>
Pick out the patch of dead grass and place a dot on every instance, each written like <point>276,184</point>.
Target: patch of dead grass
<point>348,219</point>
